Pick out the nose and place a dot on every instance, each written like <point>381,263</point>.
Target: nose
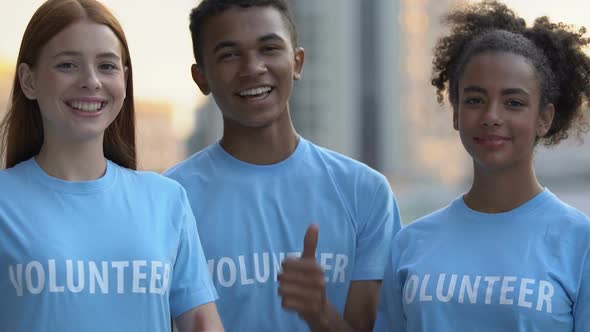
<point>252,65</point>
<point>90,79</point>
<point>492,115</point>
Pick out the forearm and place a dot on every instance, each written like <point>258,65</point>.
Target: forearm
<point>332,321</point>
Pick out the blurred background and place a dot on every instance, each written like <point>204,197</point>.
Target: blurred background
<point>365,91</point>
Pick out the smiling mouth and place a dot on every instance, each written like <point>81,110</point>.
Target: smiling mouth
<point>88,107</point>
<point>256,92</point>
<point>492,142</point>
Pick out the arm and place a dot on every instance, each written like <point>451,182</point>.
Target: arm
<point>302,283</point>
<point>302,287</point>
<point>582,304</point>
<point>200,319</point>
<point>390,316</point>
<point>361,305</point>
<point>192,293</point>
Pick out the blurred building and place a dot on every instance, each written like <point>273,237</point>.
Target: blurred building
<point>6,77</point>
<point>435,152</point>
<point>158,147</point>
<point>348,97</point>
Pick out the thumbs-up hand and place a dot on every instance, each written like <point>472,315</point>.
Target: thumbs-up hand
<point>302,285</point>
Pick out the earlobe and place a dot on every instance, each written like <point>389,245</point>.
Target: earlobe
<point>200,79</point>
<point>299,60</point>
<point>27,81</point>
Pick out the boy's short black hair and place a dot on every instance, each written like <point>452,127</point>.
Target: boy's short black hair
<point>210,8</point>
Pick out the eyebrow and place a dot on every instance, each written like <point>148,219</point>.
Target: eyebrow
<point>514,91</point>
<point>230,44</point>
<point>473,88</point>
<point>111,55</point>
<point>509,91</point>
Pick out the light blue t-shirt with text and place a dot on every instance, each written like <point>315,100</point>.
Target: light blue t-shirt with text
<point>120,253</point>
<point>462,270</point>
<point>251,217</point>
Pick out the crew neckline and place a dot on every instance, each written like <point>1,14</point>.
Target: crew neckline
<point>235,163</point>
<point>75,187</point>
<point>533,205</point>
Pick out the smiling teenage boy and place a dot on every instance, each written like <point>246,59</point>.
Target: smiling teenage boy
<point>262,194</point>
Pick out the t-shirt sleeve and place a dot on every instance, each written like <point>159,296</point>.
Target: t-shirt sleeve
<point>582,305</point>
<point>390,315</point>
<point>191,284</point>
<point>378,223</point>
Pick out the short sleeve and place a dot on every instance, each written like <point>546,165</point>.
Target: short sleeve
<point>390,315</point>
<point>381,221</point>
<point>191,284</point>
<point>582,304</point>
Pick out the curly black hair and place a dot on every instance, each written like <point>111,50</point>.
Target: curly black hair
<point>556,50</point>
<point>210,8</point>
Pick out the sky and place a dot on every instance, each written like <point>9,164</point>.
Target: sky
<point>161,51</point>
<point>159,42</point>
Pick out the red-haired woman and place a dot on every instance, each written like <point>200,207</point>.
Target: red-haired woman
<point>86,242</point>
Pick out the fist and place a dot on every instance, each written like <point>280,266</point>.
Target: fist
<point>302,285</point>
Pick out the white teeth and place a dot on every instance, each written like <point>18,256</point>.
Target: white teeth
<point>255,91</point>
<point>86,107</point>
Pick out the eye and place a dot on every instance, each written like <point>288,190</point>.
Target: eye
<point>473,101</point>
<point>514,103</point>
<point>66,66</point>
<point>228,56</point>
<point>108,67</point>
<point>271,48</point>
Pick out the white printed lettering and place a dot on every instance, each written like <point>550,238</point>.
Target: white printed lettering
<point>471,290</point>
<point>524,291</point>
<point>440,286</point>
<point>40,273</point>
<point>98,276</point>
<point>423,296</point>
<point>506,289</point>
<point>120,266</point>
<point>491,281</point>
<point>261,278</point>
<point>17,280</point>
<point>546,291</point>
<point>413,283</point>
<point>231,266</point>
<point>138,276</point>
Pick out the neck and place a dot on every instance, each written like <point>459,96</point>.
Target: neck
<point>73,161</point>
<point>260,146</point>
<point>502,190</point>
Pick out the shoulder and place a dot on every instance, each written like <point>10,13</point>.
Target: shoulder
<point>427,225</point>
<point>150,183</point>
<point>192,165</point>
<point>568,219</point>
<point>347,169</point>
<point>16,175</point>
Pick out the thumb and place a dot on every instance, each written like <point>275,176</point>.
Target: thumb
<point>310,242</point>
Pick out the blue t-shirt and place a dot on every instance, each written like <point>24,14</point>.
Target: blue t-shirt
<point>253,216</point>
<point>120,253</point>
<point>462,270</point>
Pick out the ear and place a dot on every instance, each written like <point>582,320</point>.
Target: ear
<point>299,60</point>
<point>545,120</point>
<point>126,78</point>
<point>200,78</point>
<point>27,82</point>
<point>455,117</point>
<point>126,73</point>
